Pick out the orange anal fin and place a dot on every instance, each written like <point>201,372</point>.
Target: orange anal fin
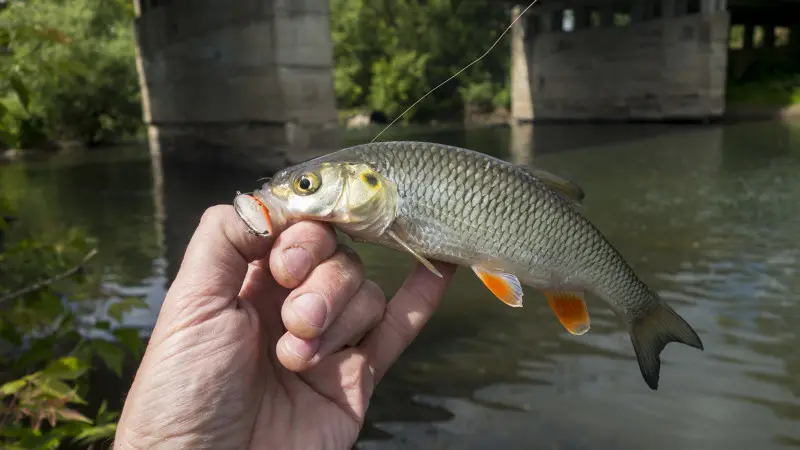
<point>570,308</point>
<point>504,286</point>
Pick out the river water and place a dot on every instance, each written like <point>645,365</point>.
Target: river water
<point>708,215</point>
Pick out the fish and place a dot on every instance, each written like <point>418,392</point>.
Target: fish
<point>512,225</point>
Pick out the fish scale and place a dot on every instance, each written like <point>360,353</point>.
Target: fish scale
<point>549,219</point>
<point>509,223</point>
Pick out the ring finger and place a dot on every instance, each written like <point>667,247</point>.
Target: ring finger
<point>361,314</point>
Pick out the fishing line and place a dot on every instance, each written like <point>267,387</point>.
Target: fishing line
<point>497,41</point>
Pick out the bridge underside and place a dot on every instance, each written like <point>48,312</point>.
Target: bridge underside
<point>635,59</point>
<point>244,83</point>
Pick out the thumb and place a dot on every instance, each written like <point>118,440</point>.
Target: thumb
<point>212,271</point>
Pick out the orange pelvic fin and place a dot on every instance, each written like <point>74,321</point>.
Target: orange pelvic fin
<point>570,308</point>
<point>504,286</point>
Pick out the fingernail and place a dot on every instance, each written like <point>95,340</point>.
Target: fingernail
<point>312,308</point>
<point>304,350</point>
<point>297,261</point>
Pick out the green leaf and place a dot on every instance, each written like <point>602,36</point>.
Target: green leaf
<point>126,304</point>
<point>72,415</point>
<point>10,334</point>
<point>102,325</point>
<point>8,138</point>
<point>68,368</point>
<point>3,110</point>
<point>111,355</point>
<point>130,338</point>
<point>41,350</point>
<point>22,92</point>
<point>58,389</point>
<point>12,387</point>
<point>94,434</point>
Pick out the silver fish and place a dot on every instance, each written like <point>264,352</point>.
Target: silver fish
<point>510,224</point>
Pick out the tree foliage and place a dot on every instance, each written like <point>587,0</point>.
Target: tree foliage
<point>388,54</point>
<point>57,319</point>
<point>68,72</point>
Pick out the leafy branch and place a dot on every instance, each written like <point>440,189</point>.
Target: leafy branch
<point>48,281</point>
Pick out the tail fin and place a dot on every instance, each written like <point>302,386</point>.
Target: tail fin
<point>652,332</point>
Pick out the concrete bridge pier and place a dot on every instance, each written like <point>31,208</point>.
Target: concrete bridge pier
<point>240,83</point>
<point>628,60</point>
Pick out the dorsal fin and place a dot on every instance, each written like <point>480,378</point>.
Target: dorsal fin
<point>566,188</point>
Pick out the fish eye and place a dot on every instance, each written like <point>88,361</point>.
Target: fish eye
<point>307,183</point>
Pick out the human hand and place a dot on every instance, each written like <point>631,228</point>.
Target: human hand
<point>235,362</point>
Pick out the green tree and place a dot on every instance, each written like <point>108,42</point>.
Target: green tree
<point>389,53</point>
<point>56,319</point>
<point>69,72</point>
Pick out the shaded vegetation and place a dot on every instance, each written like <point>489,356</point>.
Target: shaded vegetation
<point>68,72</point>
<point>58,324</point>
<point>766,75</point>
<point>389,54</point>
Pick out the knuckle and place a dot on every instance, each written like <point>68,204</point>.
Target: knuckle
<point>374,294</point>
<point>213,214</point>
<point>350,254</point>
<point>316,238</point>
<point>400,328</point>
<point>350,269</point>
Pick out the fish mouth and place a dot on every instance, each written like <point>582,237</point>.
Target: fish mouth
<point>258,214</point>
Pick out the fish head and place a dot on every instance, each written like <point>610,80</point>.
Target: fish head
<point>350,195</point>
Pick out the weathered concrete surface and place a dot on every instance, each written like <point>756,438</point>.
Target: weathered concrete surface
<point>243,82</point>
<point>670,68</point>
<point>522,105</point>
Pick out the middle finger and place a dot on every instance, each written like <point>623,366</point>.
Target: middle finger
<point>316,303</point>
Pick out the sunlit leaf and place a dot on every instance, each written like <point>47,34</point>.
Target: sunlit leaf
<point>12,387</point>
<point>58,389</point>
<point>72,415</point>
<point>94,434</point>
<point>67,368</point>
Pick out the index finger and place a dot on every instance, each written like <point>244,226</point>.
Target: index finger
<point>215,263</point>
<point>406,314</point>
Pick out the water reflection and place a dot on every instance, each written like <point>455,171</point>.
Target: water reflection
<point>708,215</point>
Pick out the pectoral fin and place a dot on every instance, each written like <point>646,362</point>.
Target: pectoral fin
<point>419,257</point>
<point>570,308</point>
<point>504,286</point>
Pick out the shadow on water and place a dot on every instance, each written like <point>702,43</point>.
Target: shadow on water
<point>707,215</point>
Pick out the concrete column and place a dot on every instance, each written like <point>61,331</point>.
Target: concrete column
<point>521,98</point>
<point>247,85</point>
<point>668,9</point>
<point>521,147</point>
<point>708,6</point>
<point>638,11</point>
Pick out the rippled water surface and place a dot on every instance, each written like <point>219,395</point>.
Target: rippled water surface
<point>709,216</point>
